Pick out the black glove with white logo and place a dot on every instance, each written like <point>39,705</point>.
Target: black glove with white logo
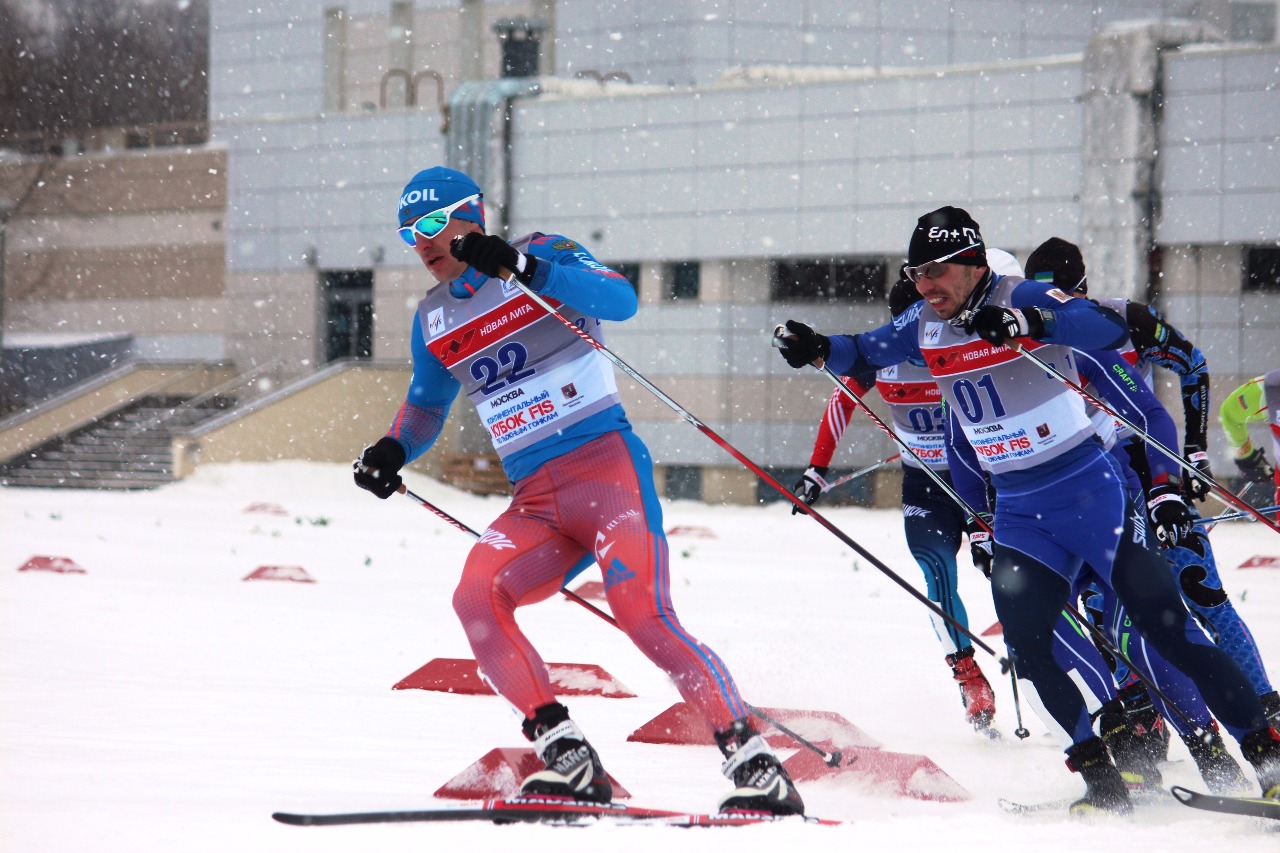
<point>1255,467</point>
<point>809,487</point>
<point>801,345</point>
<point>378,468</point>
<point>981,544</point>
<point>491,255</point>
<point>1193,488</point>
<point>996,324</point>
<point>1170,517</point>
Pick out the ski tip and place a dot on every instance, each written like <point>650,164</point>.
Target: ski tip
<point>292,819</point>
<point>1181,794</point>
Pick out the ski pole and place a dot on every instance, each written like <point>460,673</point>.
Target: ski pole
<point>826,487</point>
<point>831,759</point>
<point>780,334</point>
<point>1244,490</point>
<point>933,475</point>
<point>1232,516</point>
<point>1141,433</point>
<point>750,465</point>
<point>1100,638</point>
<point>1021,731</point>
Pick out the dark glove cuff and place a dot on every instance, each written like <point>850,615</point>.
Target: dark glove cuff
<point>530,267</point>
<point>390,450</point>
<point>1037,321</point>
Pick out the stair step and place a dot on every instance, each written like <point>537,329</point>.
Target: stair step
<point>128,449</point>
<point>91,483</point>
<point>47,466</point>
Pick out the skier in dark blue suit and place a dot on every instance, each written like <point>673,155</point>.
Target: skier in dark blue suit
<point>1155,342</point>
<point>1062,501</point>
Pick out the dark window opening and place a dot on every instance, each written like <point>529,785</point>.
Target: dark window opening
<point>685,280</point>
<point>859,492</point>
<point>1255,22</point>
<point>823,280</point>
<point>521,51</point>
<point>629,271</point>
<point>1262,268</point>
<point>348,305</point>
<point>683,483</point>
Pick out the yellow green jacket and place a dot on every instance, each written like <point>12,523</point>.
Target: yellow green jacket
<point>1256,400</point>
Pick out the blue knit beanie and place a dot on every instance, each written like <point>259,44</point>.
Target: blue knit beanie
<point>437,187</point>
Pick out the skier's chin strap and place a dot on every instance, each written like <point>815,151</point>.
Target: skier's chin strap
<point>981,293</point>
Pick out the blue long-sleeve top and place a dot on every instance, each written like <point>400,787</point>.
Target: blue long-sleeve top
<point>1075,323</point>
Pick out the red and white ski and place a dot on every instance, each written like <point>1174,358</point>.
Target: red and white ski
<point>545,810</point>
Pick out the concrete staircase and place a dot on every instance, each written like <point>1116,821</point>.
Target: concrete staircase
<point>126,449</point>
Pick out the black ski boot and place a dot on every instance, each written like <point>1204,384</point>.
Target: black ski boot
<point>1105,790</point>
<point>1145,721</point>
<point>573,770</point>
<point>1271,707</point>
<point>761,782</point>
<point>1218,769</point>
<point>1262,749</point>
<point>1131,756</point>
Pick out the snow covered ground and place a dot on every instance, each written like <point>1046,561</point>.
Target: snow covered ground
<point>158,702</point>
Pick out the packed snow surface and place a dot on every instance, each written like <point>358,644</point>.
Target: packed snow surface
<point>159,702</point>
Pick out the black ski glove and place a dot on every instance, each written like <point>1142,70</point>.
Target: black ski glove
<point>1193,488</point>
<point>801,345</point>
<point>1255,467</point>
<point>491,255</point>
<point>996,324</point>
<point>980,543</point>
<point>1170,518</point>
<point>378,468</point>
<point>809,487</point>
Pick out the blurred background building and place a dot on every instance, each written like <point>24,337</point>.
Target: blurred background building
<point>741,162</point>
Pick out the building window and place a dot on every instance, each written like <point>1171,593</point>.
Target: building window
<point>859,492</point>
<point>521,46</point>
<point>629,271</point>
<point>1262,268</point>
<point>683,483</point>
<point>683,280</point>
<point>827,279</point>
<point>348,313</point>
<point>1253,22</point>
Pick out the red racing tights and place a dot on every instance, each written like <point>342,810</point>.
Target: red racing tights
<point>596,500</point>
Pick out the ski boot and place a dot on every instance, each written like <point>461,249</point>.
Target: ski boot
<point>1218,769</point>
<point>761,782</point>
<point>573,770</point>
<point>975,690</point>
<point>1105,790</point>
<point>1262,749</point>
<point>1131,756</point>
<point>1271,708</point>
<point>1145,721</point>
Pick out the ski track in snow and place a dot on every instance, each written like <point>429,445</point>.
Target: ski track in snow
<point>158,702</point>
